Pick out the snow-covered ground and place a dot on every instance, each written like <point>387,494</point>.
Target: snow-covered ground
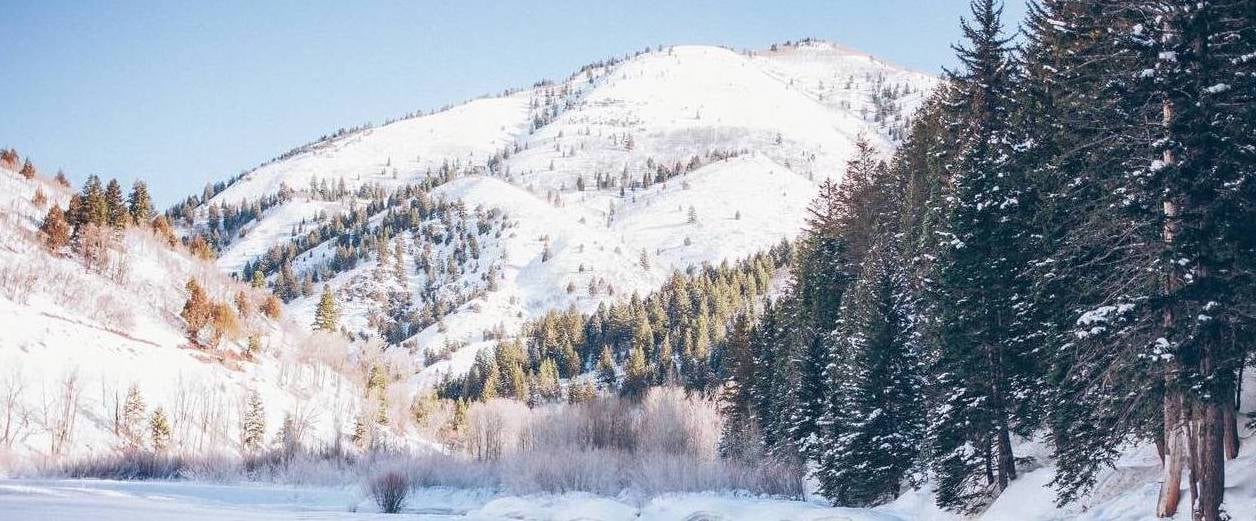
<point>72,500</point>
<point>1127,493</point>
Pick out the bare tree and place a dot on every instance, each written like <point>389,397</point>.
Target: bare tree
<point>16,417</point>
<point>59,413</point>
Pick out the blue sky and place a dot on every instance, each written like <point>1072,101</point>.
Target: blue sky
<point>182,93</point>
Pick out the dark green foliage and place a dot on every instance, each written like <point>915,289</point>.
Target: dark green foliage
<point>875,412</point>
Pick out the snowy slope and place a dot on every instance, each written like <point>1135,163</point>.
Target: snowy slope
<point>754,132</point>
<point>105,330</point>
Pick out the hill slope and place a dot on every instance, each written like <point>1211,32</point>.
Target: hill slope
<point>606,183</point>
<point>79,334</point>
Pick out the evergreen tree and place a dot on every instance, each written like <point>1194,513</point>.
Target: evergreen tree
<point>117,214</point>
<point>636,373</point>
<point>133,413</point>
<point>74,212</point>
<point>739,438</point>
<point>984,369</point>
<point>159,430</point>
<point>606,368</point>
<point>492,386</point>
<point>361,436</point>
<point>547,384</point>
<point>875,415</point>
<point>95,208</point>
<point>28,170</point>
<point>253,423</point>
<point>327,316</point>
<point>140,204</point>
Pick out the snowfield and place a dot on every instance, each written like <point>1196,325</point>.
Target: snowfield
<point>141,501</point>
<point>1126,493</point>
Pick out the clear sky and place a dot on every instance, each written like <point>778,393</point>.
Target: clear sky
<point>182,93</point>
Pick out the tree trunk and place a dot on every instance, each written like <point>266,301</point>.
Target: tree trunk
<point>1175,455</point>
<point>1007,463</point>
<point>1211,462</point>
<point>1192,413</point>
<point>1231,410</point>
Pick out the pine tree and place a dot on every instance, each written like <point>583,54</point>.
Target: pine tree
<point>1073,101</point>
<point>636,373</point>
<point>253,423</point>
<point>94,208</point>
<point>327,316</point>
<point>875,414</point>
<point>983,371</point>
<point>547,384</point>
<point>606,372</point>
<point>259,279</point>
<point>133,413</point>
<point>1149,251</point>
<point>492,386</point>
<point>739,438</point>
<point>28,170</point>
<point>55,229</point>
<point>73,212</point>
<point>159,430</point>
<point>117,214</point>
<point>140,204</point>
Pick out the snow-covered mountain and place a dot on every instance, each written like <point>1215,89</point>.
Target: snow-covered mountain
<point>601,185</point>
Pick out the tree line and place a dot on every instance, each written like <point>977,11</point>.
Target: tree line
<point>1062,247</point>
<point>673,336</point>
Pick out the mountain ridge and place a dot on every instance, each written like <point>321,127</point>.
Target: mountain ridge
<point>634,159</point>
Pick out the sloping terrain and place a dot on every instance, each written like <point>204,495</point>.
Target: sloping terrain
<point>77,335</point>
<point>607,182</point>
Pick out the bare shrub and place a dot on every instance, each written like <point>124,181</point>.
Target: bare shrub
<point>113,314</point>
<point>550,470</point>
<point>17,281</point>
<point>59,412</point>
<point>450,470</point>
<point>661,444</point>
<point>674,423</point>
<point>14,416</point>
<point>494,427</point>
<point>390,490</point>
<point>127,465</point>
<point>94,245</point>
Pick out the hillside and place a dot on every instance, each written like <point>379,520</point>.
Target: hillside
<point>606,183</point>
<point>80,331</point>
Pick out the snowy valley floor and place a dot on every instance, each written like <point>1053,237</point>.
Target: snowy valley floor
<point>101,500</point>
<point>1126,495</point>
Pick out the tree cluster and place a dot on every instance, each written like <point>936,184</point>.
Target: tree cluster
<point>1062,246</point>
